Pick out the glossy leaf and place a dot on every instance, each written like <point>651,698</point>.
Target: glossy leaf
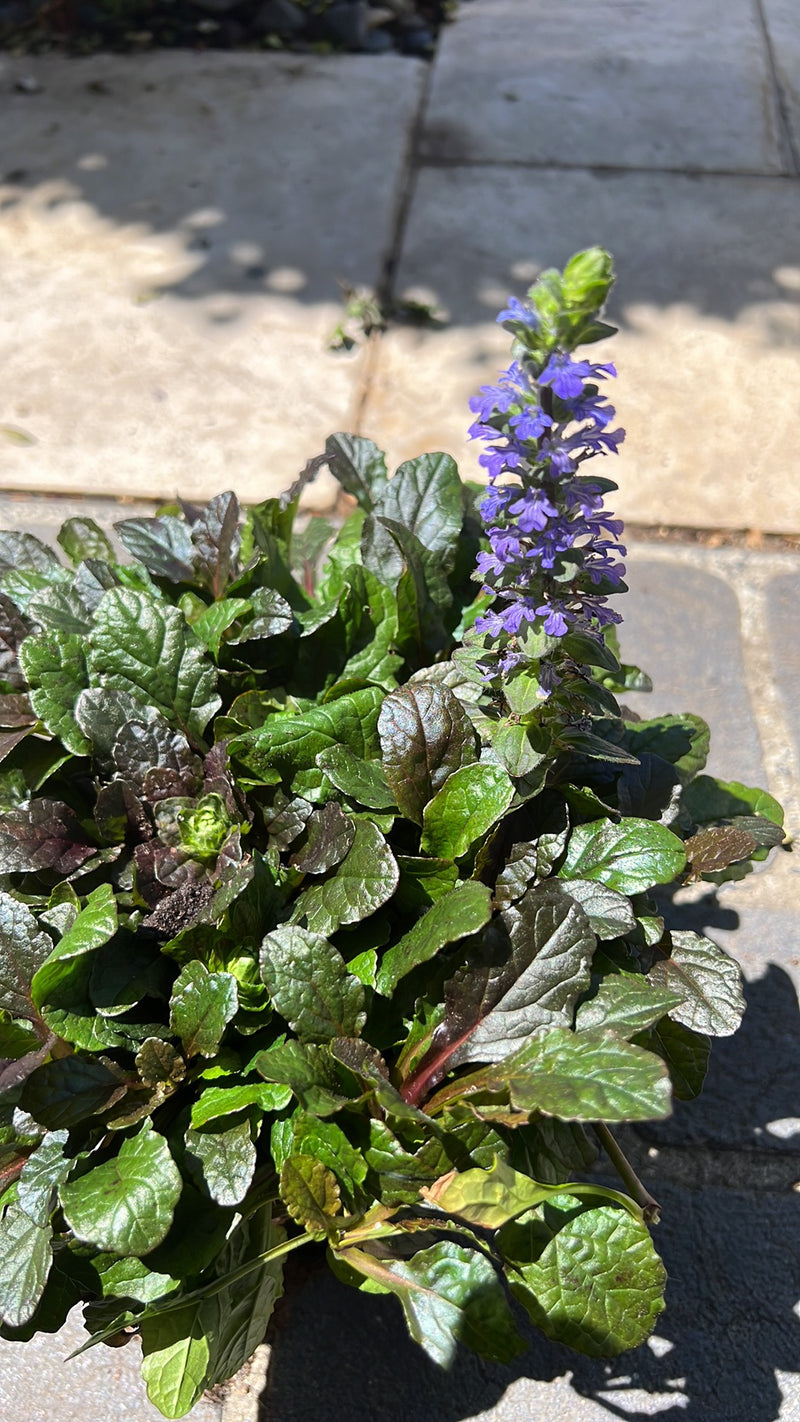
<point>126,1203</point>
<point>708,981</point>
<point>24,947</point>
<point>587,1275</point>
<point>364,880</point>
<point>25,1259</point>
<point>425,736</point>
<point>310,986</point>
<point>55,669</point>
<point>143,646</point>
<point>359,466</point>
<point>450,1294</point>
<point>311,1193</point>
<point>211,1338</point>
<point>628,857</point>
<point>202,1005</point>
<point>456,915</point>
<point>626,1004</point>
<point>226,1159</point>
<point>461,813</point>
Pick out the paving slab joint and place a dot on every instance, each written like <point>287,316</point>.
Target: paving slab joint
<point>786,137</point>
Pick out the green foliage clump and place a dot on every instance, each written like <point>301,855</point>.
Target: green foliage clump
<point>313,930</point>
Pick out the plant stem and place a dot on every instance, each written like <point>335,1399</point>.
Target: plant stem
<point>650,1208</point>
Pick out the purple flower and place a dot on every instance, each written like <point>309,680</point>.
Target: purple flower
<point>533,510</point>
<point>565,376</point>
<point>515,311</point>
<point>530,423</point>
<point>555,618</point>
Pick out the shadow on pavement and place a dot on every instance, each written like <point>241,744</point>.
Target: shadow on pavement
<point>732,1256</point>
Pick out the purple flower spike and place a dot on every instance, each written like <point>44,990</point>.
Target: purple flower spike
<point>550,538</point>
<point>515,311</point>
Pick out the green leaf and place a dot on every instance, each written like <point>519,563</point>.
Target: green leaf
<point>625,1004</point>
<point>218,1101</point>
<point>588,1276</point>
<point>62,992</point>
<point>290,743</point>
<point>42,1173</point>
<point>131,1279</point>
<point>310,986</point>
<point>162,544</point>
<point>426,735</point>
<point>227,1161</point>
<point>368,617</point>
<point>706,799</point>
<point>708,981</point>
<point>25,1259</point>
<point>311,1194</point>
<point>539,955</point>
<point>201,1007</point>
<point>329,834</point>
<point>629,857</point>
<point>609,912</point>
<point>159,1064</point>
<point>55,670</point>
<point>360,780</point>
<point>464,810</point>
<point>364,880</point>
<point>213,1335</point>
<point>425,496</point>
<point>309,1071</point>
<point>450,1294</point>
<point>591,1076</point>
<point>682,740</point>
<point>93,927</point>
<point>67,1090</point>
<point>23,949</point>
<point>359,466</point>
<point>215,621</point>
<point>685,1053</point>
<point>328,1143</point>
<point>143,646</point>
<point>127,1203</point>
<point>456,915</point>
<point>82,538</point>
<point>490,1198</point>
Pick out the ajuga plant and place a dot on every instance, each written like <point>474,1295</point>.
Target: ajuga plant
<point>327,909</point>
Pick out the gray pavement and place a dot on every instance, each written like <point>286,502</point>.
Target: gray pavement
<point>184,221</point>
<point>171,233</point>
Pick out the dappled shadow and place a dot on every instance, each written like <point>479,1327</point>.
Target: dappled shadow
<point>281,174</point>
<point>237,175</point>
<point>732,1257</point>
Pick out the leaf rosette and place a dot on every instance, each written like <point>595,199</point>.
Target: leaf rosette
<point>316,929</point>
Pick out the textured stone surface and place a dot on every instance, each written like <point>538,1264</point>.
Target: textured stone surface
<point>660,84</point>
<point>708,309</point>
<point>681,625</point>
<point>103,1385</point>
<point>183,221</point>
<point>783,595</point>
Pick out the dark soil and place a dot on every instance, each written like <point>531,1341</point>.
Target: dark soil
<point>86,26</point>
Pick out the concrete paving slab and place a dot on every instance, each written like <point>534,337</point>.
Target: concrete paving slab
<point>653,84</point>
<point>103,1385</point>
<point>783,625</point>
<point>708,302</point>
<point>727,1346</point>
<point>667,606</point>
<point>172,230</point>
<point>783,27</point>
